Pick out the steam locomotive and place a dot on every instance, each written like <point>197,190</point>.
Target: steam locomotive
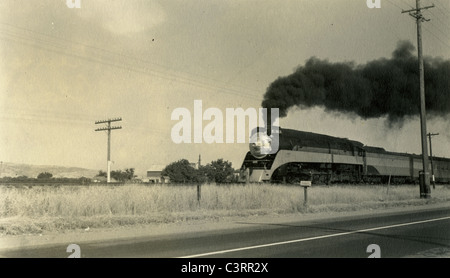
<point>325,159</point>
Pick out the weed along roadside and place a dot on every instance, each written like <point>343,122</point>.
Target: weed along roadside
<point>37,209</point>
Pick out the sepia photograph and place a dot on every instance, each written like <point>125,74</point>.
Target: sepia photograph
<point>244,130</point>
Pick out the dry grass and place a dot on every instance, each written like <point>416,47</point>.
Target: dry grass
<point>49,208</point>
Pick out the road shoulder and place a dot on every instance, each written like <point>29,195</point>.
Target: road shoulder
<point>191,227</point>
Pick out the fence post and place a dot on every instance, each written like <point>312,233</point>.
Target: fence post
<point>199,193</point>
<point>388,185</point>
<point>306,197</point>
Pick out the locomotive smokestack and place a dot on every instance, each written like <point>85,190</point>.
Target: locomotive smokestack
<point>383,87</point>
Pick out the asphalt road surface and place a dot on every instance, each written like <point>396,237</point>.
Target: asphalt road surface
<point>386,235</point>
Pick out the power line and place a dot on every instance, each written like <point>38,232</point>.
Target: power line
<point>394,30</point>
<point>394,4</point>
<point>446,16</point>
<point>133,68</point>
<point>442,33</point>
<point>437,16</point>
<point>437,37</point>
<point>407,4</point>
<point>102,50</point>
<point>426,28</point>
<point>441,23</point>
<point>442,6</point>
<point>97,55</point>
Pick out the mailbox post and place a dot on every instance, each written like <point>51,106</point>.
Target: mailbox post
<point>305,185</point>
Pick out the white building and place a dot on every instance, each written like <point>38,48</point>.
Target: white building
<point>154,174</point>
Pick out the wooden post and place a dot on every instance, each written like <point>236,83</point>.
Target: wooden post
<point>389,183</point>
<point>199,193</point>
<point>431,159</point>
<point>305,185</point>
<point>305,204</point>
<point>425,191</point>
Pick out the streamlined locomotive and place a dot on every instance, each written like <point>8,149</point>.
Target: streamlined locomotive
<point>326,159</point>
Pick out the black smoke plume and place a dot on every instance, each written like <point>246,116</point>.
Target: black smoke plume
<point>383,87</point>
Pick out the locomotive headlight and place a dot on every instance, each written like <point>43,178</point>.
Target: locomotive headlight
<point>260,145</point>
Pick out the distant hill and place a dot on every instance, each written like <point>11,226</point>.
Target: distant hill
<point>8,169</point>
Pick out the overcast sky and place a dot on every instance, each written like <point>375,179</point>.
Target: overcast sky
<point>62,69</point>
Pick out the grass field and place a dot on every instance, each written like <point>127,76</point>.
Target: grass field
<point>36,209</point>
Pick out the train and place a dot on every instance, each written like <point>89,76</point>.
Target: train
<point>324,159</point>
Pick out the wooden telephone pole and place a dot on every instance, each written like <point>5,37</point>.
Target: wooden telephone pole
<point>425,191</point>
<point>108,128</point>
<point>431,159</point>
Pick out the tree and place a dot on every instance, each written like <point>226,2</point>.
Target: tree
<point>101,174</point>
<point>84,180</point>
<point>119,175</point>
<point>45,175</point>
<point>122,176</point>
<point>219,171</point>
<point>181,171</point>
<point>129,173</point>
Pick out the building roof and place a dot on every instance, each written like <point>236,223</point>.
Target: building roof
<point>156,167</point>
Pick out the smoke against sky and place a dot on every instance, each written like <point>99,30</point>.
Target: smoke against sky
<point>379,88</point>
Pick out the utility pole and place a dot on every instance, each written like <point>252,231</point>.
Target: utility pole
<point>431,159</point>
<point>425,183</point>
<point>108,128</point>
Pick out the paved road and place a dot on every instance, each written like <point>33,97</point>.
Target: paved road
<point>396,234</point>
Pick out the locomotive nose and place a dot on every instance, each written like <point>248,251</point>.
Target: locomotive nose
<point>260,145</point>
